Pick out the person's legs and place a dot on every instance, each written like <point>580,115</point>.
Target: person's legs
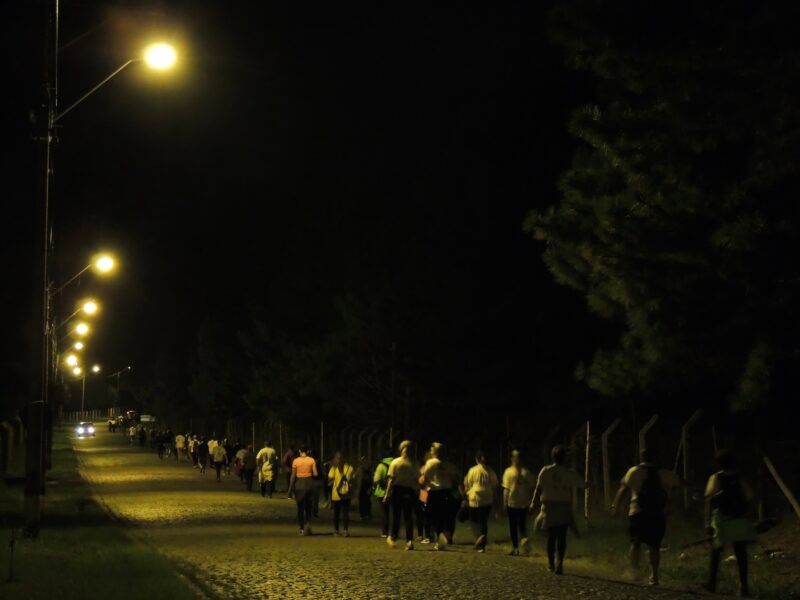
<point>346,514</point>
<point>248,477</point>
<point>740,550</point>
<point>308,503</point>
<point>551,548</point>
<point>485,512</point>
<point>385,508</point>
<point>337,510</point>
<point>271,487</point>
<point>408,513</point>
<point>716,555</point>
<point>419,508</point>
<point>655,560</point>
<point>301,513</point>
<point>397,510</point>
<point>263,489</point>
<point>561,547</point>
<point>218,469</point>
<point>513,527</point>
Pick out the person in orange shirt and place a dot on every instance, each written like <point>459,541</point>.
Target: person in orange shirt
<point>301,486</point>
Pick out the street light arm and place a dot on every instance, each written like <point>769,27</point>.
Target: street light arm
<point>60,288</point>
<point>113,74</point>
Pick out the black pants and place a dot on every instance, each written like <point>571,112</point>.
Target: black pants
<point>202,460</point>
<point>740,551</point>
<point>268,487</point>
<point>341,508</point>
<point>193,456</point>
<point>305,501</point>
<point>385,512</point>
<point>517,524</point>
<point>479,517</point>
<point>556,544</point>
<point>365,501</point>
<point>218,468</point>
<point>248,478</point>
<point>403,500</point>
<point>442,510</point>
<point>422,515</point>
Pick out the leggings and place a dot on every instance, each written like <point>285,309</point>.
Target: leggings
<point>341,507</point>
<point>479,517</point>
<point>304,505</point>
<point>403,500</point>
<point>385,512</point>
<point>740,550</point>
<point>517,524</point>
<point>442,508</point>
<point>556,543</point>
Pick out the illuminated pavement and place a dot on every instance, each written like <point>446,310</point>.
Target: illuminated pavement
<point>238,545</point>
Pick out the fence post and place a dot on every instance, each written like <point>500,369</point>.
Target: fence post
<point>586,474</point>
<point>369,444</point>
<point>351,445</point>
<point>360,436</point>
<point>606,463</point>
<point>573,442</point>
<point>643,432</point>
<point>685,445</point>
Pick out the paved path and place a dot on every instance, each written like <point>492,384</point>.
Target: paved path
<point>238,545</point>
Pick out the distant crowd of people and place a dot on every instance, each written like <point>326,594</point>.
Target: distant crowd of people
<point>430,496</point>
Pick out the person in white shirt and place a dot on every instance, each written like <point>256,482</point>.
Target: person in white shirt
<point>650,487</point>
<point>481,488</point>
<point>267,460</point>
<point>402,489</point>
<point>554,489</point>
<point>180,444</point>
<point>518,486</point>
<point>441,477</point>
<point>219,457</point>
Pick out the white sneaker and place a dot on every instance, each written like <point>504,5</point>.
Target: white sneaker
<point>390,542</point>
<point>409,545</point>
<point>524,546</point>
<point>441,543</point>
<point>480,542</point>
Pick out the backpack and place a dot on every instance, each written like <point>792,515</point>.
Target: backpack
<point>730,500</point>
<point>652,498</point>
<point>344,484</point>
<point>381,483</point>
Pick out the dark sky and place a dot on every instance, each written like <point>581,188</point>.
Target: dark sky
<point>300,150</point>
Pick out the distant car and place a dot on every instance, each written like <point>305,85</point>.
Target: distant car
<point>85,429</point>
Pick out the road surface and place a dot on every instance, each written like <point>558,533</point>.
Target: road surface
<point>235,544</point>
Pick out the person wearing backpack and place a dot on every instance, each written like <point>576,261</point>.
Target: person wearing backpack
<point>728,499</point>
<point>650,487</point>
<point>340,478</point>
<point>555,487</point>
<point>379,481</point>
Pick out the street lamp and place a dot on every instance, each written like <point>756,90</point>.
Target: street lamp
<point>78,345</point>
<point>96,369</point>
<point>81,329</point>
<point>77,371</point>
<point>72,360</point>
<point>88,307</point>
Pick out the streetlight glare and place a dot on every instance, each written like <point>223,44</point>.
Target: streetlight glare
<point>77,371</point>
<point>72,360</point>
<point>104,264</point>
<point>90,307</point>
<point>81,329</point>
<point>160,56</point>
<point>78,345</point>
<point>96,369</point>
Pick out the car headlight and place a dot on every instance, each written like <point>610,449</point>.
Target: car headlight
<point>90,430</point>
<point>80,430</point>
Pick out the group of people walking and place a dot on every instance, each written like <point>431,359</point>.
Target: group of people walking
<point>433,495</point>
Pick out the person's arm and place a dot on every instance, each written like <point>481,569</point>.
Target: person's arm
<point>314,471</point>
<point>292,481</point>
<point>618,498</point>
<point>708,506</point>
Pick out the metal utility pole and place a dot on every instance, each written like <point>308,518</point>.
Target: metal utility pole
<point>36,440</point>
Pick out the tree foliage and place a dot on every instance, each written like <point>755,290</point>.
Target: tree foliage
<point>678,218</point>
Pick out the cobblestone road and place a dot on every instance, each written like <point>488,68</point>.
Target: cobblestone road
<point>236,544</point>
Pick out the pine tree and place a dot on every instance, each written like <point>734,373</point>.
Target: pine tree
<point>678,218</point>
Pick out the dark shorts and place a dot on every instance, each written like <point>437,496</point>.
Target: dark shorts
<point>647,529</point>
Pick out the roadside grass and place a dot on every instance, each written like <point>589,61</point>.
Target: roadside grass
<point>603,552</point>
<point>81,551</point>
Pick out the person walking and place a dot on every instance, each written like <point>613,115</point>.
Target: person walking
<point>402,488</point>
<point>728,499</point>
<point>132,434</point>
<point>364,487</point>
<point>301,484</point>
<point>518,486</point>
<point>202,455</point>
<point>219,456</point>
<point>288,460</point>
<point>555,487</point>
<point>340,478</point>
<point>379,483</point>
<point>193,444</point>
<point>650,487</point>
<point>180,445</point>
<point>248,465</point>
<point>267,462</point>
<point>442,480</point>
<point>481,488</point>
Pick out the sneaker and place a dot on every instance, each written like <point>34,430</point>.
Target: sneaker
<point>514,552</point>
<point>481,550</point>
<point>551,568</point>
<point>524,546</point>
<point>652,581</point>
<point>307,529</point>
<point>384,536</point>
<point>409,545</point>
<point>436,547</point>
<point>559,570</point>
<point>346,533</point>
<point>442,542</point>
<point>426,540</point>
<point>480,542</point>
<point>391,543</point>
<point>302,532</point>
<point>335,534</point>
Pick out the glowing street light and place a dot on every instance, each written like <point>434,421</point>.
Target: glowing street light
<point>90,307</point>
<point>77,371</point>
<point>160,56</point>
<point>96,369</point>
<point>78,345</point>
<point>81,329</point>
<point>104,263</point>
<point>72,360</point>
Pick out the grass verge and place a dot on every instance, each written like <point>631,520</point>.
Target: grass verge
<point>81,551</point>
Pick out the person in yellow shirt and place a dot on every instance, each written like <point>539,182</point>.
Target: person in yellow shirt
<point>340,478</point>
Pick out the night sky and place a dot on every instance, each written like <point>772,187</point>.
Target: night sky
<point>300,152</point>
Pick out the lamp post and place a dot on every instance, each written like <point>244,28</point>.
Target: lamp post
<point>38,417</point>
